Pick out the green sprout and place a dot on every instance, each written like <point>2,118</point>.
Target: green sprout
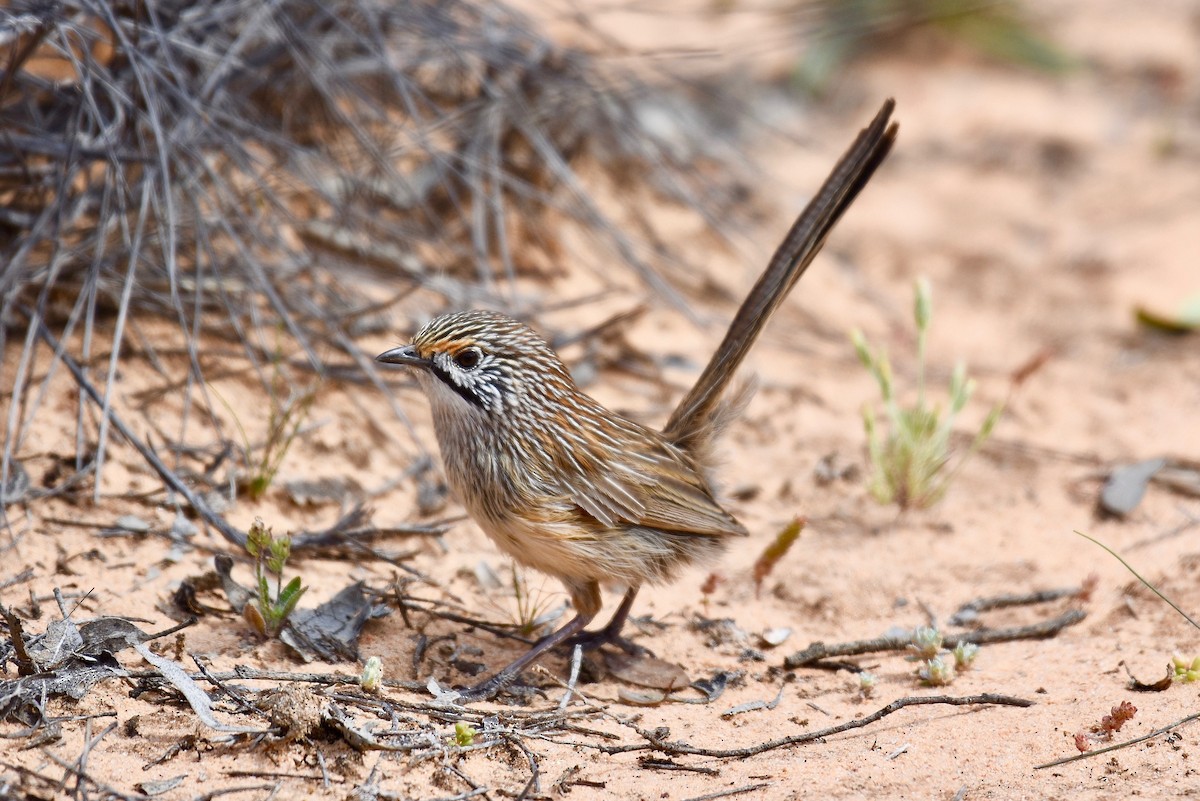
<point>531,606</point>
<point>866,683</point>
<point>464,734</point>
<point>269,611</point>
<point>1186,671</point>
<point>999,30</point>
<point>937,669</point>
<point>911,464</point>
<point>964,654</point>
<point>289,408</point>
<point>936,672</point>
<point>372,676</point>
<point>926,643</point>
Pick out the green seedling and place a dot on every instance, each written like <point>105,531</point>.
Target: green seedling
<point>866,683</point>
<point>937,668</point>
<point>289,407</point>
<point>911,463</point>
<point>372,676</point>
<point>532,607</point>
<point>269,611</point>
<point>936,672</point>
<point>964,655</point>
<point>1186,671</point>
<point>999,30</point>
<point>464,734</point>
<point>926,643</point>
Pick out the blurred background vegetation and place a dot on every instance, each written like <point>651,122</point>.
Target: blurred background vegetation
<point>270,178</point>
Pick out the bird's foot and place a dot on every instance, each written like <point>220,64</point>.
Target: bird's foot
<point>591,640</point>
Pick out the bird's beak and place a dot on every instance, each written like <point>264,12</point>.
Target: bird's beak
<point>405,354</point>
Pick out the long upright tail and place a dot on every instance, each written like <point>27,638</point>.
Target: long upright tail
<point>690,423</point>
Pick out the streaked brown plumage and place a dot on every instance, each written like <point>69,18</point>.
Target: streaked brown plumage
<point>566,486</point>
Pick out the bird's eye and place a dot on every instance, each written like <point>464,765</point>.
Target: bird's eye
<point>468,358</point>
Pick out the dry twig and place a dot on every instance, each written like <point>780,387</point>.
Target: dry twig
<point>655,742</point>
<point>1035,631</point>
<point>1116,746</point>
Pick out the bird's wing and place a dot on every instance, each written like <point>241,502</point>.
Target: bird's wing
<point>652,484</point>
<point>680,500</point>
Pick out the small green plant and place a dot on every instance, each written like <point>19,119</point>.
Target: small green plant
<point>964,654</point>
<point>532,607</point>
<point>464,734</point>
<point>372,675</point>
<point>269,611</point>
<point>1000,30</point>
<point>911,464</point>
<point>289,408</point>
<point>936,672</point>
<point>866,683</point>
<point>926,643</point>
<point>1186,671</point>
<point>937,669</point>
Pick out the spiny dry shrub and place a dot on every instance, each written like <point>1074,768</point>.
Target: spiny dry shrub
<point>244,169</point>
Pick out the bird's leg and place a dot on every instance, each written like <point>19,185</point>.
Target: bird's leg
<point>585,597</point>
<point>611,634</point>
<point>489,688</point>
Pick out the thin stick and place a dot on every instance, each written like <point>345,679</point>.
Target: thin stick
<point>1047,628</point>
<point>1107,748</point>
<point>248,788</point>
<point>576,663</point>
<point>1013,599</point>
<point>749,788</point>
<point>656,743</point>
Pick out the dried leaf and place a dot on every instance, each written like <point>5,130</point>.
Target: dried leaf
<point>1166,323</point>
<point>714,687</point>
<point>16,487</point>
<point>132,523</point>
<point>646,671</point>
<point>640,697</point>
<point>160,787</point>
<point>331,631</point>
<point>776,550</point>
<point>197,699</point>
<point>1153,687</point>
<point>237,595</point>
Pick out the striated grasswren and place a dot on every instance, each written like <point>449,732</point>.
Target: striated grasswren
<point>566,486</point>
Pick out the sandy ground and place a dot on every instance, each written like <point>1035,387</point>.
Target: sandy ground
<point>1043,210</point>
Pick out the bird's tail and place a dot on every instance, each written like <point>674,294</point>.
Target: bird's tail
<point>691,425</point>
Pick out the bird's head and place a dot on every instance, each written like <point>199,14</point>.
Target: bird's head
<point>484,359</point>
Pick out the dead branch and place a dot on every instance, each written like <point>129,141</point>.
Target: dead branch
<point>967,612</point>
<point>1114,747</point>
<point>1035,631</point>
<point>654,741</point>
<point>748,788</point>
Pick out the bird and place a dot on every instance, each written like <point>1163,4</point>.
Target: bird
<point>576,491</point>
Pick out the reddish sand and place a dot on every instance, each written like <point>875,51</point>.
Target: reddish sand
<point>1043,210</point>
